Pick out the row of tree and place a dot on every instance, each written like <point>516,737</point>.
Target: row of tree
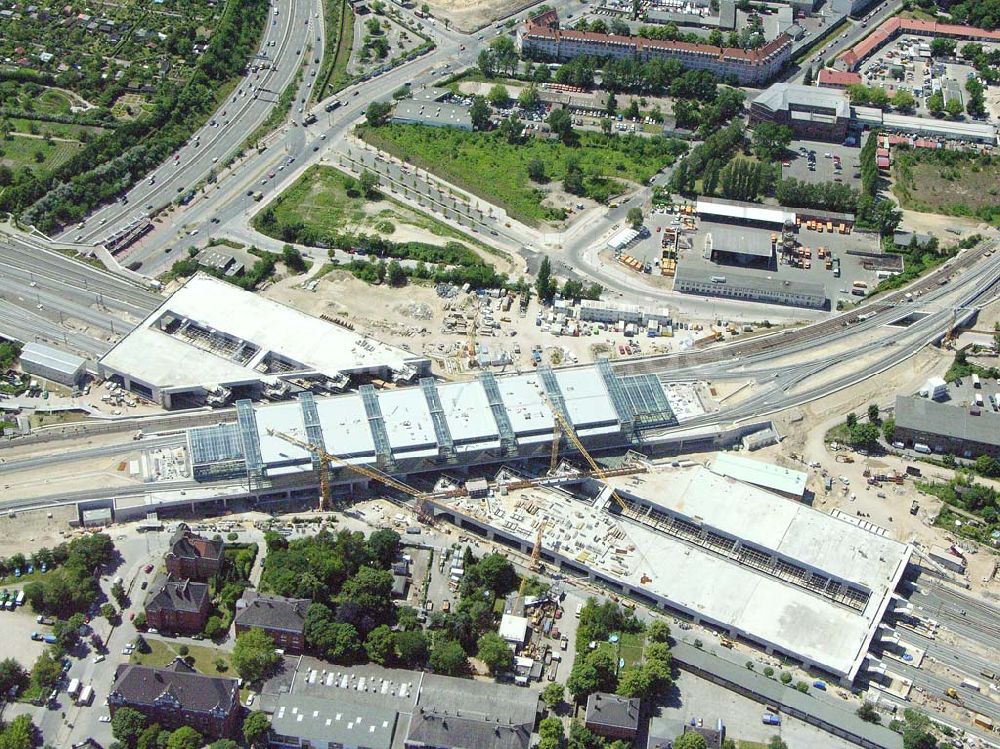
<point>132,730</point>
<point>72,586</point>
<point>110,164</point>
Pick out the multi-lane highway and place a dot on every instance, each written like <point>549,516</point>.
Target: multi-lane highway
<point>291,31</point>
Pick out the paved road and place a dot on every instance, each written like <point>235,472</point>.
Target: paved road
<point>291,30</point>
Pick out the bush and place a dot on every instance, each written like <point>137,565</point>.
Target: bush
<point>802,686</point>
<point>768,671</point>
<point>786,678</point>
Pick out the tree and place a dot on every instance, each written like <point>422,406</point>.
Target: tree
<point>20,733</point>
<point>776,743</point>
<point>550,732</point>
<point>873,414</point>
<point>371,591</point>
<point>807,79</point>
<point>868,713</point>
<point>118,593</point>
<point>127,724</point>
<point>368,184</point>
<point>184,737</point>
<point>511,129</point>
<point>495,653</point>
<point>553,695</point>
<point>634,217</point>
<point>504,53</point>
<point>479,113</point>
<point>593,673</point>
<point>381,644</point>
<point>636,683</point>
<point>785,678</point>
<point>152,737</point>
<point>448,658</point>
<point>987,465</point>
<point>889,430</point>
<point>255,728</point>
<point>903,100</point>
<point>224,744</point>
<point>499,96</point>
<point>954,108</point>
<point>536,171</point>
<point>411,647</point>
<point>573,177</point>
<point>852,420</point>
<point>13,678</point>
<point>690,740</point>
<point>254,656</point>
<point>377,113</point>
<point>214,629</point>
<point>562,124</point>
<point>658,631</point>
<point>935,103</point>
<point>528,98</point>
<point>770,140</point>
<point>544,283</point>
<point>394,274</point>
<point>941,47</point>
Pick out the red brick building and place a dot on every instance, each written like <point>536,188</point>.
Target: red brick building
<point>177,696</point>
<point>192,556</point>
<point>284,619</point>
<point>178,606</point>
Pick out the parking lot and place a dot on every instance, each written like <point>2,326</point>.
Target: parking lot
<point>903,64</point>
<point>17,643</point>
<point>696,698</point>
<point>797,165</point>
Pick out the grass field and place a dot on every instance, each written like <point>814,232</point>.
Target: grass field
<point>55,129</point>
<point>33,97</point>
<point>162,653</point>
<point>337,51</point>
<point>628,649</point>
<point>487,165</point>
<point>319,199</point>
<point>20,151</point>
<point>949,182</point>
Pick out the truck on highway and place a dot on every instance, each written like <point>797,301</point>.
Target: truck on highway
<point>332,105</point>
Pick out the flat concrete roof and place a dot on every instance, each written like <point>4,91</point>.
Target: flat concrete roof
<point>753,283</point>
<point>752,602</point>
<point>345,720</point>
<point>767,475</point>
<point>740,241</point>
<point>167,361</point>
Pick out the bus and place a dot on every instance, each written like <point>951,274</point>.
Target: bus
<point>86,694</point>
<point>20,598</point>
<point>74,687</point>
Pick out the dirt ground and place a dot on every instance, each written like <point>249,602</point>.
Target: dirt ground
<point>469,15</point>
<point>413,317</point>
<point>29,530</point>
<point>938,225</point>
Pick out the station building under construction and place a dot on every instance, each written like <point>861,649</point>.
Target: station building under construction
<point>435,427</point>
<point>769,570</point>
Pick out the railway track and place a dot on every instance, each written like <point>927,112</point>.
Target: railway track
<point>871,315</point>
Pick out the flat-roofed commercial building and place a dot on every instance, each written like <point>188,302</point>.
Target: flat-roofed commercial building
<point>778,479</point>
<point>729,285</point>
<point>432,114</point>
<point>743,213</point>
<point>541,38</point>
<point>948,428</point>
<point>812,113</point>
<point>52,364</point>
<point>212,339</point>
<point>790,579</point>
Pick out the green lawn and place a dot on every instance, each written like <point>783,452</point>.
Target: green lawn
<point>162,653</point>
<point>18,152</point>
<point>55,129</point>
<point>486,165</point>
<point>951,182</point>
<point>319,199</point>
<point>628,649</point>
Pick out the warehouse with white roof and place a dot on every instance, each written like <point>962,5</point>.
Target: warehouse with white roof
<point>785,577</point>
<point>784,481</point>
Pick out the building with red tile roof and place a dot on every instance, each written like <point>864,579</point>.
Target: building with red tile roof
<point>830,78</point>
<point>541,38</point>
<point>895,26</point>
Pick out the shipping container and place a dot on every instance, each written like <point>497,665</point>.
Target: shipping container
<point>981,721</point>
<point>970,684</point>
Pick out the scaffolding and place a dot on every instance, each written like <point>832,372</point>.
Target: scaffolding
<point>446,446</point>
<point>216,342</point>
<point>508,440</point>
<point>383,448</point>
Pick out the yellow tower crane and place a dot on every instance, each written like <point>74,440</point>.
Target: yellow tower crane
<point>562,425</point>
<point>325,459</point>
